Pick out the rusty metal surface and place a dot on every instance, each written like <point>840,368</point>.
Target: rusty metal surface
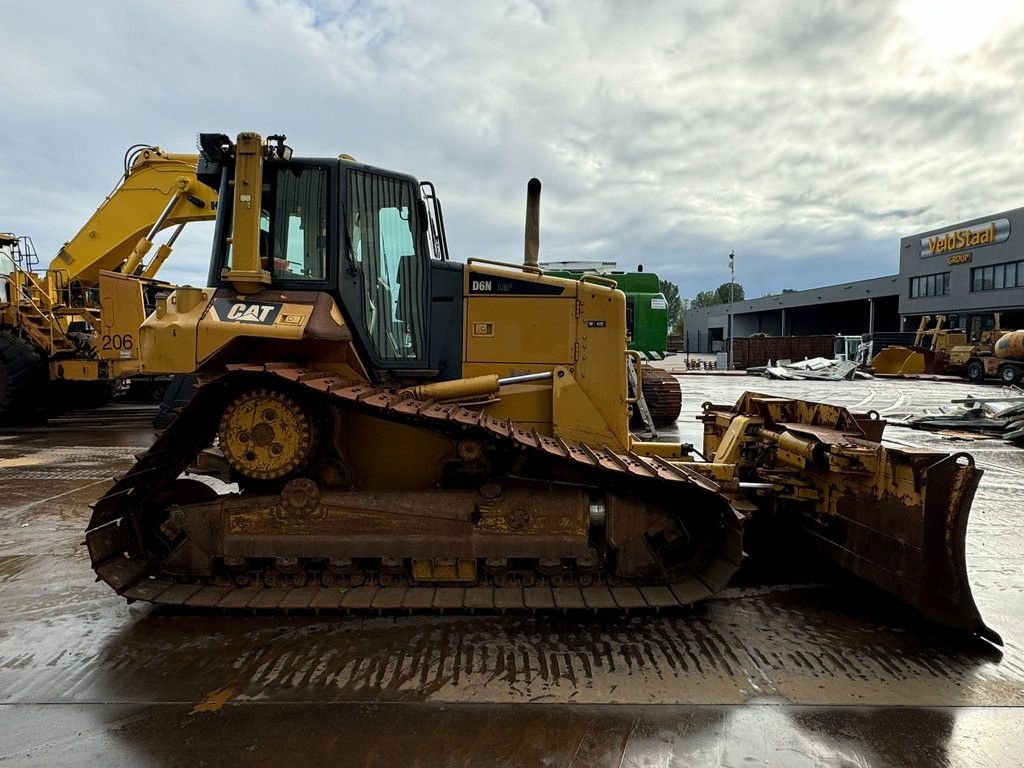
<point>818,673</point>
<point>895,517</point>
<point>662,394</point>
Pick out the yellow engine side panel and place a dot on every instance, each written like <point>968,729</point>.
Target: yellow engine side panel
<point>191,325</point>
<point>600,368</point>
<point>167,339</point>
<point>518,322</point>
<point>524,322</point>
<point>520,330</point>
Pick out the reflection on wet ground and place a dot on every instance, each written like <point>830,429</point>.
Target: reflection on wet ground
<point>568,736</point>
<point>817,672</point>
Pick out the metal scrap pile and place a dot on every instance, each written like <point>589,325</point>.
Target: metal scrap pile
<point>977,416</point>
<point>817,368</point>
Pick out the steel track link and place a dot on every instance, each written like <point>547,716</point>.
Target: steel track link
<point>120,535</point>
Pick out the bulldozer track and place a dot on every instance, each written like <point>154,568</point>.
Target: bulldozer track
<point>120,557</point>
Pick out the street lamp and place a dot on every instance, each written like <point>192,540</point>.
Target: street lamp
<point>732,285</point>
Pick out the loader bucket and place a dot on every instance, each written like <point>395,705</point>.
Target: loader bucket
<point>900,361</point>
<point>895,517</point>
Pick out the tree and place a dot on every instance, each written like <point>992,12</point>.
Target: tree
<point>718,296</point>
<point>724,289</point>
<point>704,299</point>
<point>673,302</point>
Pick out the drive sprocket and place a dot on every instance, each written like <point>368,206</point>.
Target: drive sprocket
<point>266,434</point>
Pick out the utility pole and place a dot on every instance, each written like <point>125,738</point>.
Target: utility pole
<point>732,289</point>
<point>686,334</point>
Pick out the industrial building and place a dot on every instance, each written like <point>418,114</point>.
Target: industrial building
<point>967,271</point>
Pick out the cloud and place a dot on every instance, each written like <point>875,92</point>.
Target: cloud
<point>806,138</point>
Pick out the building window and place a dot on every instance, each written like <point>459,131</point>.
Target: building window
<point>998,276</point>
<point>929,285</point>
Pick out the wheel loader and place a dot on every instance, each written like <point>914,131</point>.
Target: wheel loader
<point>408,433</point>
<point>919,359</point>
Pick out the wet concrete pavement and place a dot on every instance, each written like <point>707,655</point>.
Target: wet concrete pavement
<point>818,672</point>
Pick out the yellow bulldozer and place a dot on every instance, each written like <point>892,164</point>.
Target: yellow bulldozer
<point>75,323</point>
<point>409,433</point>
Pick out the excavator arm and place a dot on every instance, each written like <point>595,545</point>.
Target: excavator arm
<point>158,190</point>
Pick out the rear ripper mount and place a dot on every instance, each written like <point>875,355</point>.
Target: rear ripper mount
<point>521,520</point>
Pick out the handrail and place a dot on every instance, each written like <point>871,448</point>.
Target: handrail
<point>33,297</point>
<point>599,280</point>
<point>58,280</point>
<point>522,267</point>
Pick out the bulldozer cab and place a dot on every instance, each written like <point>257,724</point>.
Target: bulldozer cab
<point>364,236</point>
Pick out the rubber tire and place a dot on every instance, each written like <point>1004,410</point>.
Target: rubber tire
<point>975,371</point>
<point>1010,374</point>
<point>23,377</point>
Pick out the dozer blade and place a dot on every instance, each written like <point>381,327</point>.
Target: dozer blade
<point>910,543</point>
<point>896,518</point>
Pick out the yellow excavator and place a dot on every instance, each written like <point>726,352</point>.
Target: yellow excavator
<point>408,433</point>
<point>75,323</point>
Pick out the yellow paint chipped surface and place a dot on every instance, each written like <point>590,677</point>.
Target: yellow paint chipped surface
<point>214,701</point>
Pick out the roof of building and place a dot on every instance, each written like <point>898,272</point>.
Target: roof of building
<point>829,294</point>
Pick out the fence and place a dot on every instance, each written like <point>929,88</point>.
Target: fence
<point>758,350</point>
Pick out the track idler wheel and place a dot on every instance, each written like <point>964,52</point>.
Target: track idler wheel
<point>266,434</point>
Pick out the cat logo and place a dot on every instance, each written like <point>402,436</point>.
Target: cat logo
<point>250,313</point>
<point>244,312</point>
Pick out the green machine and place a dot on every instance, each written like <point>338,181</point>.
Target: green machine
<point>646,312</point>
<point>647,324</point>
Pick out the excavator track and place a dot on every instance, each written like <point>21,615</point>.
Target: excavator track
<point>127,536</point>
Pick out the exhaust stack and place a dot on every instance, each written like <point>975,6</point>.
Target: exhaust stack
<point>531,254</point>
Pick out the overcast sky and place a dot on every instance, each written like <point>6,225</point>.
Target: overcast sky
<point>808,137</point>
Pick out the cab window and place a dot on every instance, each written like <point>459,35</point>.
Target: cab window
<point>384,231</point>
<point>293,229</point>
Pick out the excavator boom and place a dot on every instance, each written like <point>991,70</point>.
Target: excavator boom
<point>158,190</point>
